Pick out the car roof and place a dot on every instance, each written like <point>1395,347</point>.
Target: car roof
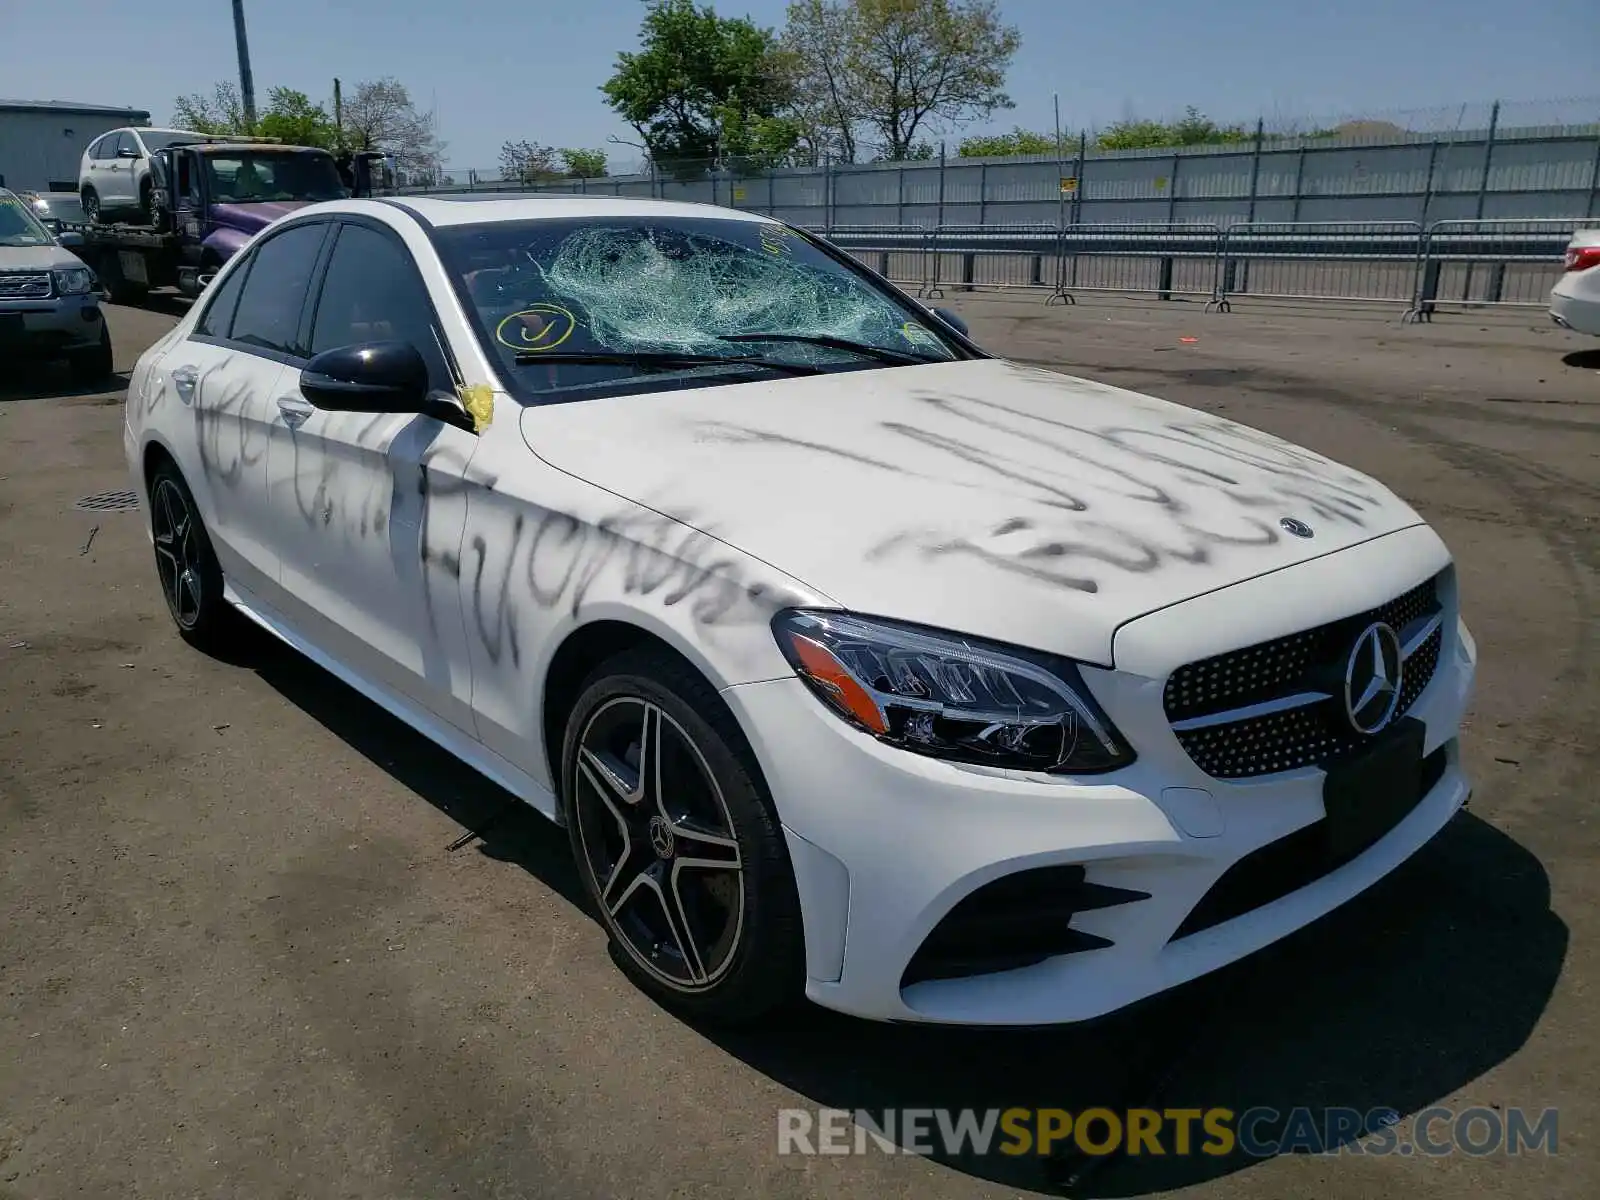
<point>474,209</point>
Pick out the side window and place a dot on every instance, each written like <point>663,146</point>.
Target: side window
<point>372,292</point>
<point>114,148</point>
<point>220,304</point>
<point>97,148</point>
<point>268,315</point>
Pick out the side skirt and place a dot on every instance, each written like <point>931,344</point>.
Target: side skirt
<point>469,750</point>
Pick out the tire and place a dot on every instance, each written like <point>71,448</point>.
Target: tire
<point>94,364</point>
<point>90,199</point>
<point>147,203</point>
<point>703,858</point>
<point>186,565</point>
<point>119,289</point>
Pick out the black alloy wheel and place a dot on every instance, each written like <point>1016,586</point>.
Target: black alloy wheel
<point>678,844</point>
<point>191,579</point>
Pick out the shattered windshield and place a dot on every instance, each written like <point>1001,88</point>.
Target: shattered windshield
<point>545,291</point>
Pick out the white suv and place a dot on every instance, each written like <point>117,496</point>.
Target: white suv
<point>114,175</point>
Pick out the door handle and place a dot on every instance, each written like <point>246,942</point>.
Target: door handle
<point>184,378</point>
<point>294,410</point>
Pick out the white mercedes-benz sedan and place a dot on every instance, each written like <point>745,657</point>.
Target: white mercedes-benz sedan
<point>858,663</point>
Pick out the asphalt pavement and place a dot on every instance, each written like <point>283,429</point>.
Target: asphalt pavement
<point>240,957</point>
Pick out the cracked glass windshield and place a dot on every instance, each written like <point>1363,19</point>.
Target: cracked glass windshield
<point>575,308</point>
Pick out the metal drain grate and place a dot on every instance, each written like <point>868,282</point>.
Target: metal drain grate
<point>124,501</point>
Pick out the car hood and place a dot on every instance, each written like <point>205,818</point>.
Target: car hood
<point>37,258</point>
<point>252,218</point>
<point>982,496</point>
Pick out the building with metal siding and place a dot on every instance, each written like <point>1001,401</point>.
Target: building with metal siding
<point>42,141</point>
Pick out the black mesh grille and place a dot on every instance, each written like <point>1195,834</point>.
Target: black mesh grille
<point>1305,661</point>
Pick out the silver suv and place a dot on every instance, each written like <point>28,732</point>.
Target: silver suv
<point>49,300</point>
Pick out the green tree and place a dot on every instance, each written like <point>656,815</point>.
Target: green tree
<point>1194,129</point>
<point>291,117</point>
<point>1000,145</point>
<point>920,65</point>
<point>584,164</point>
<point>702,88</point>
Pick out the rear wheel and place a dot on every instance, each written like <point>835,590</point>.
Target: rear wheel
<point>186,564</point>
<point>678,843</point>
<point>90,199</point>
<point>94,364</point>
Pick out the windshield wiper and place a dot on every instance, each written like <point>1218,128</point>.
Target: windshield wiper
<point>898,358</point>
<point>663,360</point>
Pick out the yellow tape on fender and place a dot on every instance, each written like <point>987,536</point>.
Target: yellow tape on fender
<point>478,400</point>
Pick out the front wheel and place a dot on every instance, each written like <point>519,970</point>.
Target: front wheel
<point>678,842</point>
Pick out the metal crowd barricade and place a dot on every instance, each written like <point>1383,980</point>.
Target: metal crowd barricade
<point>1350,261</point>
<point>1490,263</point>
<point>1159,259</point>
<point>998,257</point>
<point>897,252</point>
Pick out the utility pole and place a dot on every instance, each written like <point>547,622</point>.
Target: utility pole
<point>338,113</point>
<point>247,83</point>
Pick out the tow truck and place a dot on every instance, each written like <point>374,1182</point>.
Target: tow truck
<point>209,199</point>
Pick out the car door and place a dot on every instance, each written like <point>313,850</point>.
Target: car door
<point>99,175</point>
<point>116,174</point>
<point>368,504</point>
<point>226,373</point>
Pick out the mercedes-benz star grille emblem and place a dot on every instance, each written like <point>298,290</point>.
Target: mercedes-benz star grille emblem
<point>1299,528</point>
<point>1372,679</point>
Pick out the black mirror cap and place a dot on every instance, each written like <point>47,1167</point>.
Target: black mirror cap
<point>367,377</point>
<point>953,320</point>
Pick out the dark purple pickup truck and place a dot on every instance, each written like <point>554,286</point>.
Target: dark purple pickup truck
<point>210,199</point>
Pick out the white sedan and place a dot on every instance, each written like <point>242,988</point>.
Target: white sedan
<point>858,663</point>
<point>1575,300</point>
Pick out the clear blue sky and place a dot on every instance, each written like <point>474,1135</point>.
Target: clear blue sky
<point>508,70</point>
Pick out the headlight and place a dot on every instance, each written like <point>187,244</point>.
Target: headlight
<point>74,281</point>
<point>949,696</point>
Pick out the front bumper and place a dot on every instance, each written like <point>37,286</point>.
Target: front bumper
<point>50,327</point>
<point>885,843</point>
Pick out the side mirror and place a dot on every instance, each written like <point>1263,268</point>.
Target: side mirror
<point>953,320</point>
<point>127,152</point>
<point>367,377</point>
<point>70,239</point>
